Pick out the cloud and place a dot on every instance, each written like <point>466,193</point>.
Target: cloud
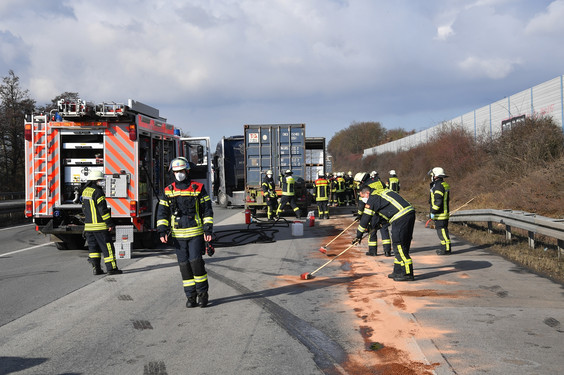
<point>497,68</point>
<point>549,21</point>
<point>219,64</point>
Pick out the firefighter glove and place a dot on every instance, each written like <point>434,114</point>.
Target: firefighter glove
<point>209,249</point>
<point>357,241</point>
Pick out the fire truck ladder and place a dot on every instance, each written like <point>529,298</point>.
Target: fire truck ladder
<point>39,152</point>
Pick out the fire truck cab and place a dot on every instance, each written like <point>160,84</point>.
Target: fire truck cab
<point>130,144</point>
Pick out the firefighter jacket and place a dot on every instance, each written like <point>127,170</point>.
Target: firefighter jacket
<point>321,190</point>
<point>393,184</point>
<point>375,183</point>
<point>186,209</point>
<point>349,183</point>
<point>340,185</point>
<point>96,213</point>
<point>288,186</point>
<point>268,187</point>
<point>440,199</point>
<point>388,204</point>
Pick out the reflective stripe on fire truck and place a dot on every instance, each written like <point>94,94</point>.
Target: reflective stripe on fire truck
<point>120,156</point>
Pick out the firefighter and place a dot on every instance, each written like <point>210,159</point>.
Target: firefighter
<point>288,194</point>
<point>349,189</point>
<point>98,224</point>
<point>439,201</point>
<point>393,184</point>
<point>375,184</point>
<point>340,189</point>
<point>322,196</point>
<point>269,192</point>
<point>333,189</point>
<point>187,210</point>
<point>394,209</point>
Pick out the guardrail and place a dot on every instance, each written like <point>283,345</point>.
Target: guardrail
<point>12,195</point>
<point>12,212</point>
<point>532,223</point>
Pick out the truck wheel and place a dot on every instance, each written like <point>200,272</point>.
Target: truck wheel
<point>222,199</point>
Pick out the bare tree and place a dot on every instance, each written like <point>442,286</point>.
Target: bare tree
<point>14,104</point>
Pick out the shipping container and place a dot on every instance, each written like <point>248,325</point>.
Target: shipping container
<point>275,147</point>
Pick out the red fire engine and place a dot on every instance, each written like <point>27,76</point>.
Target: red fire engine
<point>131,144</point>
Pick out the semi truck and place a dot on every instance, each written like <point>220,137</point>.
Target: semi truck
<point>131,144</point>
<point>229,171</point>
<point>280,147</point>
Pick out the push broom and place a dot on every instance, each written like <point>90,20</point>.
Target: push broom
<point>323,249</point>
<point>309,275</point>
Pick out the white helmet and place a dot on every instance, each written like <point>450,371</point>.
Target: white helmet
<point>392,172</point>
<point>437,172</point>
<point>269,172</point>
<point>179,164</point>
<point>373,174</point>
<point>289,171</point>
<point>349,173</point>
<point>95,175</point>
<point>320,174</point>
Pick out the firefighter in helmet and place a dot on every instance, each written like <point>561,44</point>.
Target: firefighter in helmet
<point>98,225</point>
<point>187,211</point>
<point>439,201</point>
<point>322,195</point>
<point>288,194</point>
<point>388,206</point>
<point>269,193</point>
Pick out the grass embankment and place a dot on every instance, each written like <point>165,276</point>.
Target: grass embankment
<point>520,170</point>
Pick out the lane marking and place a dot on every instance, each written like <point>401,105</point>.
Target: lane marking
<point>26,249</point>
<point>19,226</point>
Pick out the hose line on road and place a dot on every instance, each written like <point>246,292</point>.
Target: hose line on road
<point>239,237</point>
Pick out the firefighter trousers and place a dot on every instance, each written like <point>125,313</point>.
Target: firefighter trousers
<point>291,200</point>
<point>442,231</point>
<point>271,205</point>
<point>402,234</point>
<point>323,209</point>
<point>100,242</point>
<point>386,240</point>
<point>189,253</point>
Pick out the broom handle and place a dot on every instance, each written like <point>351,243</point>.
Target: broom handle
<point>336,256</point>
<point>463,205</point>
<point>339,235</point>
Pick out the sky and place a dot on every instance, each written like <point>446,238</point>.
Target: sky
<point>211,66</point>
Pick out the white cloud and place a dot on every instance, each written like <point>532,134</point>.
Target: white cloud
<point>548,22</point>
<point>496,68</point>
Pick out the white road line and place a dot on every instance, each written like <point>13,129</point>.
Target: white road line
<point>19,226</point>
<point>26,249</point>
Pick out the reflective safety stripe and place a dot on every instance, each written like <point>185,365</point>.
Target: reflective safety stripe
<point>401,213</point>
<point>95,255</point>
<point>163,222</point>
<point>187,232</point>
<point>189,282</point>
<point>201,279</point>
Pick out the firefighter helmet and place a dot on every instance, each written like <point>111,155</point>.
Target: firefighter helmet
<point>269,172</point>
<point>289,172</point>
<point>349,173</point>
<point>437,172</point>
<point>392,172</point>
<point>320,174</point>
<point>373,174</point>
<point>179,164</point>
<point>95,175</point>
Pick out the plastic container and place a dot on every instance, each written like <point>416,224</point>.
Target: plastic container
<point>297,228</point>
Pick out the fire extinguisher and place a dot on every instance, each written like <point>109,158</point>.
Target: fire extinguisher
<point>247,216</point>
<point>311,219</point>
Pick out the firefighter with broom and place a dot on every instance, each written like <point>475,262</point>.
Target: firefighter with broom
<point>394,209</point>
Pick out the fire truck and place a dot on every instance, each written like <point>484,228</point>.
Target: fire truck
<point>130,144</point>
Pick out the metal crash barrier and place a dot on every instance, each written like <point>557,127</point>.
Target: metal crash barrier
<point>530,222</point>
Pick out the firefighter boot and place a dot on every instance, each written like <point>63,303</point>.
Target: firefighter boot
<point>192,302</point>
<point>96,269</point>
<point>388,250</point>
<point>112,270</point>
<point>203,299</point>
